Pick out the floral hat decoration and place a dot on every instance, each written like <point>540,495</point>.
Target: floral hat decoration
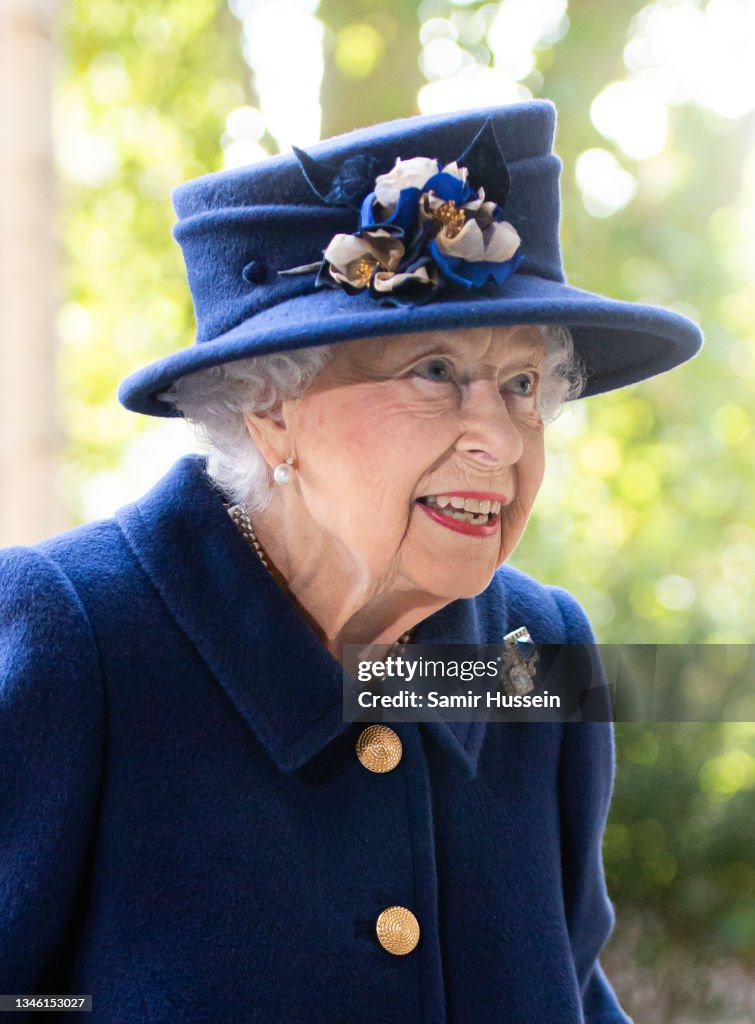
<point>423,224</point>
<point>422,227</point>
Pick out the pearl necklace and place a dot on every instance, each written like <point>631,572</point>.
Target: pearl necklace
<point>240,516</point>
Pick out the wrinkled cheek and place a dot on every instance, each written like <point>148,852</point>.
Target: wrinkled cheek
<point>512,528</point>
<point>516,515</point>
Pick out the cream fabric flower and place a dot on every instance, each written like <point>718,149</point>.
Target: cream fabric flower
<point>405,174</point>
<point>389,282</point>
<point>353,258</point>
<point>482,239</point>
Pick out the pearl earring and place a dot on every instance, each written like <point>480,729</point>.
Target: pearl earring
<point>282,472</point>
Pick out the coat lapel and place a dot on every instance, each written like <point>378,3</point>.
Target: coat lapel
<point>271,664</point>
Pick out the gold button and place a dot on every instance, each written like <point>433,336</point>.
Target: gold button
<point>397,930</point>
<point>379,748</point>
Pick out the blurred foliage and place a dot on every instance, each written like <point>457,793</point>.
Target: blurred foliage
<point>656,480</point>
<point>679,864</point>
<point>143,94</point>
<point>646,512</point>
<point>682,842</point>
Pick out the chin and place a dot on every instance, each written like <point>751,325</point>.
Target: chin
<point>470,584</point>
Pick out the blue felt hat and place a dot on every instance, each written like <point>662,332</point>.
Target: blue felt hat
<point>303,249</point>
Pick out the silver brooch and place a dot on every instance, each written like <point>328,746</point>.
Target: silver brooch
<point>519,662</point>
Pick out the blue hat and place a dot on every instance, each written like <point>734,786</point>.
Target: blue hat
<point>424,223</point>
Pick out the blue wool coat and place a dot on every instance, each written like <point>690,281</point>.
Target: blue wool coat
<point>186,832</point>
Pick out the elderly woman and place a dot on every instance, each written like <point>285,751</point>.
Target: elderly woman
<point>189,830</point>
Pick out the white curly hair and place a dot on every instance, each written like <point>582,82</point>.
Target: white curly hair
<point>215,400</point>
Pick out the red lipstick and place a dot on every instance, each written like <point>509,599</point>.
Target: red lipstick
<point>470,529</point>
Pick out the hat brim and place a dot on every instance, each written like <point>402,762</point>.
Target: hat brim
<point>619,343</point>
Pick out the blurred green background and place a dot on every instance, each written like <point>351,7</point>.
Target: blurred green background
<point>646,512</point>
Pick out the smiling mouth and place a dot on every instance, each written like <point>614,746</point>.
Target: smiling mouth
<point>474,511</point>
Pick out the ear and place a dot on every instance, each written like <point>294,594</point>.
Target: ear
<point>269,431</point>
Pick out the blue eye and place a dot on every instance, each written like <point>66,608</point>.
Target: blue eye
<point>523,385</point>
<point>434,369</point>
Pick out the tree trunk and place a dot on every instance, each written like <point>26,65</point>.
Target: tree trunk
<point>30,435</point>
<point>379,92</point>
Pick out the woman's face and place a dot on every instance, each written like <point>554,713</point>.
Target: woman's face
<point>396,433</point>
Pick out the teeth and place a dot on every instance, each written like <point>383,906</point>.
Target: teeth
<point>473,505</point>
<point>465,510</point>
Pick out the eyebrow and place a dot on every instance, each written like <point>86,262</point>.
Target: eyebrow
<point>536,351</point>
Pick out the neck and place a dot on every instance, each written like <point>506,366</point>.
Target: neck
<point>342,604</point>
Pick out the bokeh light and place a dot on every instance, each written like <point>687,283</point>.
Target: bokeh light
<point>605,185</point>
<point>679,53</point>
<point>458,47</point>
<point>283,45</point>
<point>632,114</point>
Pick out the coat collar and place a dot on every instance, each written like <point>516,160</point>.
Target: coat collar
<point>272,665</point>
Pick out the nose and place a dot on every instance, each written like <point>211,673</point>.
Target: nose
<point>489,437</point>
